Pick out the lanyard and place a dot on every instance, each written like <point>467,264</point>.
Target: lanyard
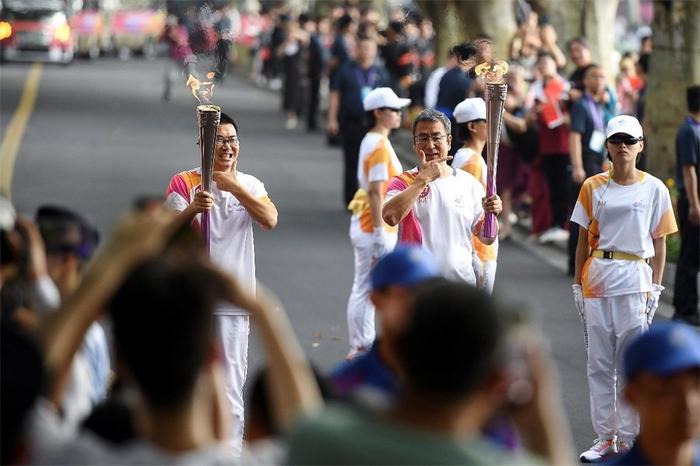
<point>596,113</point>
<point>371,77</point>
<point>693,121</point>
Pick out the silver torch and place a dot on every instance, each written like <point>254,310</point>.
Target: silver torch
<point>208,117</point>
<point>495,98</point>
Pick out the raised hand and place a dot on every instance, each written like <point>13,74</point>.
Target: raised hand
<point>431,170</point>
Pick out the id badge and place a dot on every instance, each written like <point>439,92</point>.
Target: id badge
<point>364,91</point>
<point>597,141</point>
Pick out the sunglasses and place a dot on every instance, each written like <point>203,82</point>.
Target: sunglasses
<point>623,139</point>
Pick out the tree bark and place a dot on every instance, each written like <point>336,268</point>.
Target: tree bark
<point>674,65</point>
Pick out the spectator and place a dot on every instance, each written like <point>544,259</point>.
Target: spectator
<point>180,54</point>
<point>580,55</point>
<point>587,139</point>
<point>315,66</point>
<point>454,86</point>
<point>662,368</point>
<point>628,86</point>
<point>225,32</point>
<point>447,397</point>
<point>351,84</point>
<point>432,85</point>
<point>344,47</point>
<point>172,368</point>
<point>394,280</point>
<point>293,67</point>
<point>70,241</point>
<point>546,103</point>
<point>685,295</point>
<point>397,57</point>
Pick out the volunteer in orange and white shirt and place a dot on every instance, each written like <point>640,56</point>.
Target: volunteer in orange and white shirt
<point>624,216</point>
<point>438,206</point>
<point>470,115</point>
<point>372,238</point>
<point>235,202</point>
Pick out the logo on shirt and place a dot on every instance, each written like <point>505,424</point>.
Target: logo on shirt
<point>424,194</point>
<point>638,205</point>
<point>459,201</point>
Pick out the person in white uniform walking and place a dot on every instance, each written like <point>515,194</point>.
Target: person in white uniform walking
<point>624,216</point>
<point>235,202</point>
<point>372,238</point>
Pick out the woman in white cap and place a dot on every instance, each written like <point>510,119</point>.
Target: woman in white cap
<point>372,238</point>
<point>470,115</point>
<point>624,216</point>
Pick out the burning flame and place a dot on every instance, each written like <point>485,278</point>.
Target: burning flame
<point>492,72</point>
<point>203,91</point>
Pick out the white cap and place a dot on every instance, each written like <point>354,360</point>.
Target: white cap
<point>383,97</point>
<point>470,110</point>
<point>624,124</point>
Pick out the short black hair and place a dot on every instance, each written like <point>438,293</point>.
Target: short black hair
<point>454,341</point>
<point>343,22</point>
<point>228,120</point>
<point>162,323</point>
<point>66,232</point>
<point>644,62</point>
<point>588,68</point>
<point>578,40</point>
<point>692,98</point>
<point>464,51</point>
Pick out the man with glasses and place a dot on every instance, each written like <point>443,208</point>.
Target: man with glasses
<point>439,207</point>
<point>235,201</point>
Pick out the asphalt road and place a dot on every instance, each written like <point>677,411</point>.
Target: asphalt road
<point>99,136</point>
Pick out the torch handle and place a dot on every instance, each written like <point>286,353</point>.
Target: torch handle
<point>495,96</point>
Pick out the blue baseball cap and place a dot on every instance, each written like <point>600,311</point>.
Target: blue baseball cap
<point>665,349</point>
<point>405,266</point>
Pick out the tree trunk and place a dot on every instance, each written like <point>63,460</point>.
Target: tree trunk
<point>448,29</point>
<point>599,30</point>
<point>495,18</point>
<point>674,65</point>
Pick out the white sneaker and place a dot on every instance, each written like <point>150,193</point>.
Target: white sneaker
<point>554,235</point>
<point>599,449</point>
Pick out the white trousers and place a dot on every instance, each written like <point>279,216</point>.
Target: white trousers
<point>232,331</point>
<point>612,323</point>
<point>485,272</point>
<point>360,312</point>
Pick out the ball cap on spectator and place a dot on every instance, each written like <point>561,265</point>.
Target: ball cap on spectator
<point>470,110</point>
<point>382,97</point>
<point>405,266</point>
<point>664,350</point>
<point>624,124</point>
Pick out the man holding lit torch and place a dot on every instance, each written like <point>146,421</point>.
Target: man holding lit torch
<point>235,201</point>
<point>439,207</point>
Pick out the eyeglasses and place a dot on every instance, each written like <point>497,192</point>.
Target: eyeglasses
<point>626,140</point>
<point>436,138</point>
<point>233,140</point>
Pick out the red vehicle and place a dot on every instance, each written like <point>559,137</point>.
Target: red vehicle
<point>36,30</point>
<point>137,30</point>
<point>91,32</point>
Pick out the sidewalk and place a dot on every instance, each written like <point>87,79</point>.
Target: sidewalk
<point>554,254</point>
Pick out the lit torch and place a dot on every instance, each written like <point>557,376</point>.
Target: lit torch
<point>495,97</point>
<point>208,117</point>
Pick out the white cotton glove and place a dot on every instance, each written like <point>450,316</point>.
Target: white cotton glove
<point>578,300</point>
<point>379,243</point>
<point>653,301</point>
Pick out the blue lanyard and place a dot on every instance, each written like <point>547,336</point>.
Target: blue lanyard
<point>371,77</point>
<point>596,113</point>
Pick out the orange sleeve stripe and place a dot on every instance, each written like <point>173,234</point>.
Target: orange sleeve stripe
<point>585,197</point>
<point>666,226</point>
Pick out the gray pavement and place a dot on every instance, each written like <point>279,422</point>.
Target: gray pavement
<point>99,136</point>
